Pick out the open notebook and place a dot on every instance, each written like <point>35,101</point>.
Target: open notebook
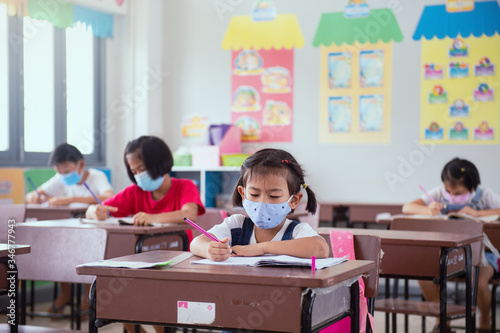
<point>272,260</point>
<point>449,216</point>
<point>116,221</point>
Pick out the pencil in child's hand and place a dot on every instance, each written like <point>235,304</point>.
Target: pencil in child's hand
<point>95,196</point>
<point>200,229</point>
<point>427,194</point>
<point>34,187</point>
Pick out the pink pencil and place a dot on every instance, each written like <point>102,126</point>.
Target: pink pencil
<point>200,229</point>
<point>427,194</point>
<point>313,263</point>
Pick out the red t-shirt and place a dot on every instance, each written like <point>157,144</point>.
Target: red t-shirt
<point>133,199</point>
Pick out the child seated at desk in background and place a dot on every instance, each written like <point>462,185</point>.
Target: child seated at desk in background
<point>67,185</point>
<point>461,192</point>
<point>155,197</point>
<point>268,189</point>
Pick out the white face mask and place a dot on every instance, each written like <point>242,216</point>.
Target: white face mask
<point>265,215</point>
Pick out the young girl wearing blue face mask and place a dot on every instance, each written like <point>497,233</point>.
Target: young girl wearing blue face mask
<point>460,192</point>
<point>155,197</point>
<point>268,189</point>
<point>67,185</point>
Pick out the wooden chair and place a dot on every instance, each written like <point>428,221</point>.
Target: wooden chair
<point>366,247</point>
<point>55,252</point>
<point>423,308</point>
<point>8,212</point>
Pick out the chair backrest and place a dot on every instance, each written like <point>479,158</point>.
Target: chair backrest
<point>467,227</point>
<point>366,247</point>
<point>56,251</point>
<point>10,212</point>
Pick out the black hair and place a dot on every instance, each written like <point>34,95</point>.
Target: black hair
<point>155,154</point>
<point>279,162</point>
<point>65,153</point>
<point>461,172</point>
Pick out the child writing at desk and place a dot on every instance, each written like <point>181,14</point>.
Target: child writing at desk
<point>155,197</point>
<point>268,189</point>
<point>460,192</point>
<point>67,185</point>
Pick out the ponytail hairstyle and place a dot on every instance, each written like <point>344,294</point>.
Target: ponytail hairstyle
<point>277,162</point>
<point>461,172</point>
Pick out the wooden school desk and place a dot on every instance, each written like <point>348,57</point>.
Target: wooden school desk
<point>120,241</point>
<point>11,271</point>
<point>361,212</point>
<point>252,298</point>
<point>424,255</point>
<point>43,212</point>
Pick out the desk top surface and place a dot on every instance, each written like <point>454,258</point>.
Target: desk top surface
<point>114,228</point>
<point>415,238</point>
<point>78,208</point>
<point>20,249</point>
<point>187,271</point>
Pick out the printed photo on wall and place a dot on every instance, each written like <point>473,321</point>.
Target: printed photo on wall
<point>458,132</point>
<point>339,114</point>
<point>484,132</point>
<point>276,80</point>
<point>485,68</point>
<point>484,93</point>
<point>277,113</point>
<point>438,95</point>
<point>459,109</point>
<point>458,49</point>
<point>433,71</point>
<point>250,128</point>
<point>371,113</point>
<point>339,70</point>
<point>248,62</point>
<point>434,132</point>
<point>246,98</point>
<point>371,68</point>
<point>458,70</point>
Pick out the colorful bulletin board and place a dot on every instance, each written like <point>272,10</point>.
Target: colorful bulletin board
<point>356,76</point>
<point>262,76</point>
<point>460,74</point>
<point>11,185</point>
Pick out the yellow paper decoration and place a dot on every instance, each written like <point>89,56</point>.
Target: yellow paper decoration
<point>16,7</point>
<point>282,32</point>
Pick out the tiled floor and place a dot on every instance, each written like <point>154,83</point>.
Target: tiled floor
<point>414,323</point>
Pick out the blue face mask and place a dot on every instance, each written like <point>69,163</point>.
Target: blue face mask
<point>71,178</point>
<point>265,215</point>
<point>146,183</point>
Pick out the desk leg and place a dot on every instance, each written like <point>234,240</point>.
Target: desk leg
<point>12,281</point>
<point>355,307</point>
<point>387,296</point>
<point>307,306</point>
<point>442,289</point>
<point>23,303</point>
<point>469,325</point>
<point>92,308</point>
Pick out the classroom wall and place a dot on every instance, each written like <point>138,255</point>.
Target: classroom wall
<point>198,81</point>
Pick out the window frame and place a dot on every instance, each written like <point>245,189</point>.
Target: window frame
<point>16,155</point>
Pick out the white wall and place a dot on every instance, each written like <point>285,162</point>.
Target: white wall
<point>199,82</point>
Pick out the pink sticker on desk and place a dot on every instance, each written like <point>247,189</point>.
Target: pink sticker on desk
<point>195,312</point>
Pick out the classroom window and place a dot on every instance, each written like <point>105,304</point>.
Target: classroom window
<point>38,67</point>
<point>80,87</point>
<point>51,83</point>
<point>4,80</point>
